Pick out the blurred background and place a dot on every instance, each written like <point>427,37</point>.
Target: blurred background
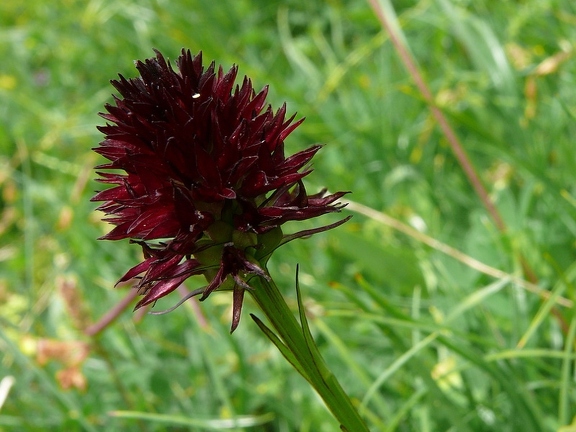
<point>432,316</point>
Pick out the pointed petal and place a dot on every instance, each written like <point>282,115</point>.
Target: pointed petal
<point>238,298</point>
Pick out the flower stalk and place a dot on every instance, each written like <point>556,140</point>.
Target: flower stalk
<point>298,347</point>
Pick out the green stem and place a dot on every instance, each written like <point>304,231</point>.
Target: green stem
<point>305,352</point>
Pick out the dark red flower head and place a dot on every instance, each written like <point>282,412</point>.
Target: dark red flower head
<point>204,184</point>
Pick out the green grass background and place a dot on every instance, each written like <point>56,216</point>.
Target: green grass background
<point>420,340</point>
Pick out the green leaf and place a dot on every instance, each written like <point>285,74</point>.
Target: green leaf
<point>211,424</point>
<point>288,355</point>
